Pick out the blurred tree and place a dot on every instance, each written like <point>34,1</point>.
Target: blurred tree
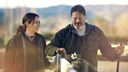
<point>121,25</point>
<point>101,23</point>
<point>55,23</point>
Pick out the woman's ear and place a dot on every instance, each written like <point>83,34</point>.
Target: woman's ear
<point>27,24</point>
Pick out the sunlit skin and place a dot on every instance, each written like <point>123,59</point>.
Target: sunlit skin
<point>33,27</point>
<point>78,20</point>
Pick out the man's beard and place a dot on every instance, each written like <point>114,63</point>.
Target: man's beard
<point>78,26</point>
<point>80,29</point>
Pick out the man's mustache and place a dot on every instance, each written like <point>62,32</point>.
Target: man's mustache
<point>78,23</point>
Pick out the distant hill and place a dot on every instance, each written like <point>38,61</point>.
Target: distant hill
<point>109,12</point>
<point>54,10</point>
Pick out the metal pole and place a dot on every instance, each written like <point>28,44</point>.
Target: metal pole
<point>118,60</point>
<point>118,63</point>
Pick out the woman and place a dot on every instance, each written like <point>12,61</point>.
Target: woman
<point>25,51</point>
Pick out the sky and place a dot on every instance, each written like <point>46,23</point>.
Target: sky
<point>47,3</point>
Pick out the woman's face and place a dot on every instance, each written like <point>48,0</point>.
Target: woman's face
<point>34,25</point>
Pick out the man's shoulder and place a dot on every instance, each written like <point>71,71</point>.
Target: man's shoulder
<point>66,29</point>
<point>96,29</point>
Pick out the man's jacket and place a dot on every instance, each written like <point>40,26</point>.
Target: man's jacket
<point>86,45</point>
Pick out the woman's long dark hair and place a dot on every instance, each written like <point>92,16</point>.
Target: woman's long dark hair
<point>28,17</point>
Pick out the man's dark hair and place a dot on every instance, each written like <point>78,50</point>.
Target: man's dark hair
<point>78,8</point>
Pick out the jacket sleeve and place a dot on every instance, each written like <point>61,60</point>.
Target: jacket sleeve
<point>9,56</point>
<point>54,44</point>
<point>46,64</point>
<point>105,48</point>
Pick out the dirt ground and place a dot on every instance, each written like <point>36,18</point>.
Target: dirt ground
<point>109,66</point>
<point>103,66</point>
<point>1,58</point>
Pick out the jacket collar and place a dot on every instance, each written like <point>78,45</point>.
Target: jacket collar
<point>88,28</point>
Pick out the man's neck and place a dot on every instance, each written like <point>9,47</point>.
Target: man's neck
<point>81,31</point>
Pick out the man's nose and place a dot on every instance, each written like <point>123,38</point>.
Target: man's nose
<point>77,20</point>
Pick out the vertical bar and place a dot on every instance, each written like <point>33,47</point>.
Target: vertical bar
<point>118,60</point>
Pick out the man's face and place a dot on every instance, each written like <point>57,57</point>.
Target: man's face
<point>78,20</point>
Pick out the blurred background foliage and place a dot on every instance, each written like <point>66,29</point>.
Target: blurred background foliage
<point>112,19</point>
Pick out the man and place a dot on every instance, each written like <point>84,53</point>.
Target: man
<point>83,39</point>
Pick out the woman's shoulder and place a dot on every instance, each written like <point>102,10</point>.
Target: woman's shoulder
<point>39,35</point>
<point>13,41</point>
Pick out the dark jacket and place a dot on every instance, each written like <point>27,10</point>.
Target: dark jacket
<point>86,45</point>
<point>23,55</point>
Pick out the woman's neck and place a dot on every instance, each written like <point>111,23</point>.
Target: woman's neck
<point>29,33</point>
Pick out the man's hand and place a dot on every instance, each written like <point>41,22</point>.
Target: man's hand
<point>62,51</point>
<point>120,49</point>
